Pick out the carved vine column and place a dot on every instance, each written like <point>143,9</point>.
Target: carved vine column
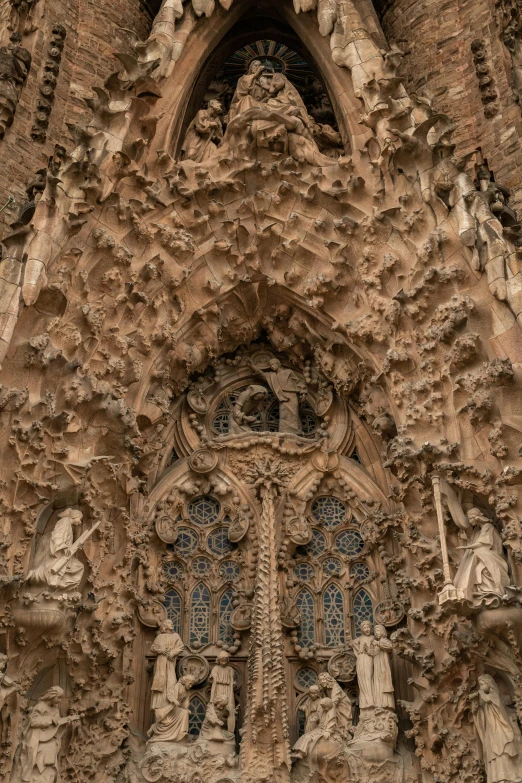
<point>265,744</point>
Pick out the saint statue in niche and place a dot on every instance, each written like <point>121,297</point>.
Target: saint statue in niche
<point>373,667</point>
<point>167,646</point>
<point>204,134</point>
<point>499,733</point>
<point>41,740</point>
<point>52,551</point>
<point>482,576</point>
<point>172,720</point>
<point>289,390</point>
<point>222,676</point>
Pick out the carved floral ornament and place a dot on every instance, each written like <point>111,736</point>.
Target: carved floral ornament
<point>260,499</point>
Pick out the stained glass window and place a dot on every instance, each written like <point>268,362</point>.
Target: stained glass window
<point>303,572</point>
<point>229,570</point>
<point>308,420</point>
<point>349,542</point>
<point>329,510</point>
<point>204,510</point>
<point>333,611</point>
<point>199,631</point>
<point>306,677</point>
<point>196,715</point>
<point>172,604</point>
<point>360,571</point>
<point>201,566</point>
<point>226,633</point>
<point>220,422</point>
<point>218,542</point>
<point>362,610</point>
<point>316,546</point>
<point>186,542</point>
<point>332,566</point>
<point>301,722</point>
<point>305,604</point>
<point>173,571</point>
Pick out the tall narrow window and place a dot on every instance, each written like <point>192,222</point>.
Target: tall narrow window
<point>333,613</point>
<point>196,715</point>
<point>305,604</point>
<point>362,610</point>
<point>173,606</point>
<point>200,615</point>
<point>226,633</point>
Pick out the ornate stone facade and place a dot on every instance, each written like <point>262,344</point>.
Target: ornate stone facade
<point>261,341</point>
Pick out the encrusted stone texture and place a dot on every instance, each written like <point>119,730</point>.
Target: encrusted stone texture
<point>438,37</point>
<point>260,395</point>
<point>94,33</point>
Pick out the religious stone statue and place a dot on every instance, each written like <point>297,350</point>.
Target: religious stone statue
<point>40,743</point>
<point>373,667</point>
<point>216,718</point>
<point>222,676</point>
<point>204,133</point>
<point>482,576</point>
<point>249,401</point>
<point>59,550</point>
<point>499,733</point>
<point>248,91</point>
<point>325,728</point>
<point>167,646</point>
<point>15,63</point>
<point>289,389</point>
<point>311,708</point>
<point>172,720</point>
<point>341,702</point>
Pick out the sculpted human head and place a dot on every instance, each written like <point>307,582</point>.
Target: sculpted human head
<point>73,514</point>
<point>314,692</point>
<point>222,658</point>
<point>166,626</point>
<point>487,683</point>
<point>366,628</point>
<point>53,696</point>
<point>477,517</point>
<point>380,632</point>
<point>275,365</point>
<point>215,106</point>
<point>255,66</point>
<point>188,680</point>
<point>325,680</point>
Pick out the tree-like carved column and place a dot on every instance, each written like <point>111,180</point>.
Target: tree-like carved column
<point>265,749</point>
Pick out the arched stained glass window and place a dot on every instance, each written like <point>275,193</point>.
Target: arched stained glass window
<point>349,542</point>
<point>230,571</point>
<point>301,722</point>
<point>329,510</point>
<point>304,572</point>
<point>204,510</point>
<point>362,610</point>
<point>332,566</point>
<point>305,604</point>
<point>186,542</point>
<point>172,604</point>
<point>196,715</point>
<point>199,626</point>
<point>360,571</point>
<point>333,616</point>
<point>316,546</point>
<point>226,634</point>
<point>173,571</point>
<point>306,677</point>
<point>218,542</point>
<point>201,566</point>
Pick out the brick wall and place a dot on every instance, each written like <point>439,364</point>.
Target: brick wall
<point>439,35</point>
<point>93,34</point>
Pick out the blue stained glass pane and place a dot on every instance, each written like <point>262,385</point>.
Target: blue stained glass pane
<point>349,542</point>
<point>301,722</point>
<point>306,677</point>
<point>201,565</point>
<point>303,572</point>
<point>186,542</point>
<point>200,615</point>
<point>197,712</point>
<point>173,571</point>
<point>329,510</point>
<point>229,570</point>
<point>332,566</point>
<point>172,604</point>
<point>308,420</point>
<point>305,604</point>
<point>360,571</point>
<point>316,546</point>
<point>333,611</point>
<point>226,634</point>
<point>362,610</point>
<point>218,542</point>
<point>204,510</point>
